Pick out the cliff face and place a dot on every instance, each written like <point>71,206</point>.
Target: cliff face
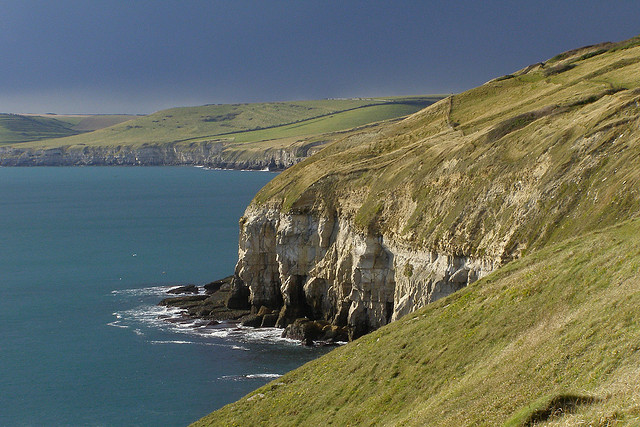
<point>201,154</point>
<point>323,268</point>
<point>383,222</point>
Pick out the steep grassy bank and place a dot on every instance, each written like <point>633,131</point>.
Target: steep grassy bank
<point>558,323</point>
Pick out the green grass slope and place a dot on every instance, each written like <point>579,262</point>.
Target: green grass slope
<point>15,128</point>
<point>20,128</point>
<point>238,124</point>
<point>89,123</point>
<point>552,338</point>
<point>526,159</point>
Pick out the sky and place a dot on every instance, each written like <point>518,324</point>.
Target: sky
<point>136,57</point>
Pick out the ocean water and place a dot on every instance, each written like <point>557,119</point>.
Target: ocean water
<point>85,255</point>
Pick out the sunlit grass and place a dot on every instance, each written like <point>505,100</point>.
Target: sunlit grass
<point>495,171</point>
<point>242,123</point>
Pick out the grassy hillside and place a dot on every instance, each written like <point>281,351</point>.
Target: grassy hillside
<point>237,124</point>
<point>89,123</point>
<point>521,161</point>
<point>20,128</point>
<point>548,332</point>
<point>16,128</point>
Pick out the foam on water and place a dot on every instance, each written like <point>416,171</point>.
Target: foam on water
<point>249,377</point>
<point>263,376</point>
<point>143,292</point>
<point>117,324</point>
<point>239,347</point>
<point>170,319</point>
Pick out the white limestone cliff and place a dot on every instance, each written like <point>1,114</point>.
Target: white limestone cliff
<point>323,268</point>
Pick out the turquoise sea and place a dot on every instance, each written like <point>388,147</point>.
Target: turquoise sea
<point>85,255</point>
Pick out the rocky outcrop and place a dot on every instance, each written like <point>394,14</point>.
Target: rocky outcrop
<point>323,268</point>
<point>211,307</point>
<point>208,154</point>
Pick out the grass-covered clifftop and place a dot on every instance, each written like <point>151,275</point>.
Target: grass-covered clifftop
<point>543,154</point>
<point>540,168</point>
<point>554,329</point>
<point>21,128</point>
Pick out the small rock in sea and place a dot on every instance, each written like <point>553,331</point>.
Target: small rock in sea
<point>186,289</point>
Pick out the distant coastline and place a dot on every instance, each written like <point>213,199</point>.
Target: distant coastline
<point>209,155</point>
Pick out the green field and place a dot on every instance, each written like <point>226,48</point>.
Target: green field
<point>242,123</point>
<point>331,123</point>
<point>16,128</point>
<point>93,122</point>
<point>20,128</point>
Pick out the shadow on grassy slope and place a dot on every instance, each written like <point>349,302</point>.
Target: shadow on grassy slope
<point>548,407</point>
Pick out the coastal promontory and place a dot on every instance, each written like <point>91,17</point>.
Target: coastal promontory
<point>492,232</point>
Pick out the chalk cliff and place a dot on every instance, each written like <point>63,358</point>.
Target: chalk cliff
<point>323,268</point>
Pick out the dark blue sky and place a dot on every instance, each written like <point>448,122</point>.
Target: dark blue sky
<point>141,56</point>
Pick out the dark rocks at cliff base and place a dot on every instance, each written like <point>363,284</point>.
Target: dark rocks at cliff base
<point>186,289</point>
<point>269,317</point>
<point>309,331</point>
<point>228,300</point>
<point>211,306</point>
<point>269,320</point>
<point>264,318</point>
<point>252,320</point>
<point>263,311</point>
<point>183,302</point>
<point>238,295</point>
<point>219,285</point>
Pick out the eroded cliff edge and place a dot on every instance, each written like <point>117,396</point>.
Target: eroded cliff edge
<point>381,223</point>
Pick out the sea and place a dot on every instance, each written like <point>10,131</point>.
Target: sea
<point>86,253</point>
